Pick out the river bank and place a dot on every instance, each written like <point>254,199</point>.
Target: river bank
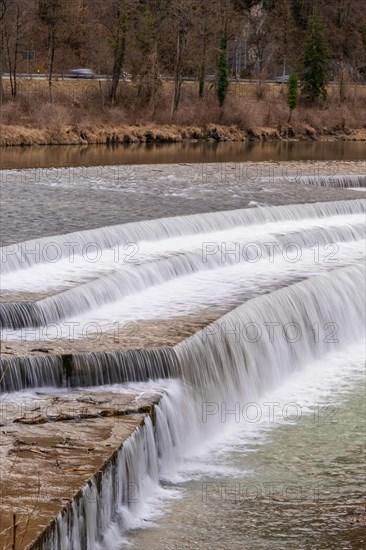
<point>79,114</point>
<point>18,135</point>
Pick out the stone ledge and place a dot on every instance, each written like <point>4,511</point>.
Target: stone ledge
<point>52,447</point>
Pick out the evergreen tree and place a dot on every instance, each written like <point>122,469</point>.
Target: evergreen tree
<point>315,61</point>
<point>222,71</point>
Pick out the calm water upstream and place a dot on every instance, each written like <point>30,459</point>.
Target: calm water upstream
<point>164,153</point>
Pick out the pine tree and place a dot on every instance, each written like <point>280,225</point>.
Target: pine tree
<point>222,71</point>
<point>292,92</point>
<point>315,61</point>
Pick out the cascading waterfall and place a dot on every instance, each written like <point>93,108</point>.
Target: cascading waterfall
<point>225,362</point>
<point>21,314</point>
<point>235,359</point>
<point>101,512</point>
<point>338,181</point>
<point>36,371</point>
<point>87,369</point>
<point>307,320</point>
<point>96,369</point>
<point>52,249</point>
<point>132,280</point>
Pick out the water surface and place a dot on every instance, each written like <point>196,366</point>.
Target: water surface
<point>166,153</point>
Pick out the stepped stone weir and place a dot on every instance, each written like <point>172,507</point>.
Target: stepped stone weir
<point>129,281</point>
<point>29,253</point>
<point>215,367</point>
<point>338,181</point>
<point>89,369</point>
<point>94,425</point>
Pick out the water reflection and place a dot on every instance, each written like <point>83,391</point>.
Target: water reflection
<point>161,153</point>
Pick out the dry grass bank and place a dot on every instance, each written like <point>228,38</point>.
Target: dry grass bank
<point>79,115</point>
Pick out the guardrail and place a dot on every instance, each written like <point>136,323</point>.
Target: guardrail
<point>129,78</point>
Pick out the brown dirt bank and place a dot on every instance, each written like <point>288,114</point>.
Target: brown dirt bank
<point>80,114</point>
<point>18,135</point>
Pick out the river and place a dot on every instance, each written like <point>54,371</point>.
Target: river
<point>259,437</point>
<point>164,153</point>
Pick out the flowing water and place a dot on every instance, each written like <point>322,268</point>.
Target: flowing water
<point>257,441</point>
<point>38,202</point>
<point>223,434</point>
<point>287,471</point>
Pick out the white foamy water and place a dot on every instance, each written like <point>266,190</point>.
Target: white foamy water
<point>219,367</point>
<point>202,291</point>
<point>184,275</point>
<point>55,248</point>
<point>300,338</point>
<point>247,465</point>
<point>65,273</point>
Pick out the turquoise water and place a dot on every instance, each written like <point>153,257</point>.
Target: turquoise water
<point>294,483</point>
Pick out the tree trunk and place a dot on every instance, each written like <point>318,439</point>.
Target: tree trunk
<point>178,72</point>
<point>51,57</point>
<point>16,48</point>
<point>201,91</point>
<point>15,67</point>
<point>9,63</point>
<point>2,50</point>
<point>3,6</point>
<point>154,75</point>
<point>119,50</point>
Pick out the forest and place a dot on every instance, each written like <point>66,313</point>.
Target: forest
<point>182,60</point>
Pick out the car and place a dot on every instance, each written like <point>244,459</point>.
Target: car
<point>81,73</point>
<point>283,79</point>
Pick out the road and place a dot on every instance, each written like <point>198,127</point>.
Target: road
<point>128,78</point>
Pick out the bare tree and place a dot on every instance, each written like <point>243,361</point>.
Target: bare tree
<point>205,21</point>
<point>159,12</point>
<point>259,40</point>
<point>119,44</point>
<point>3,5</point>
<point>50,12</point>
<point>182,14</point>
<point>150,18</point>
<point>16,22</point>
